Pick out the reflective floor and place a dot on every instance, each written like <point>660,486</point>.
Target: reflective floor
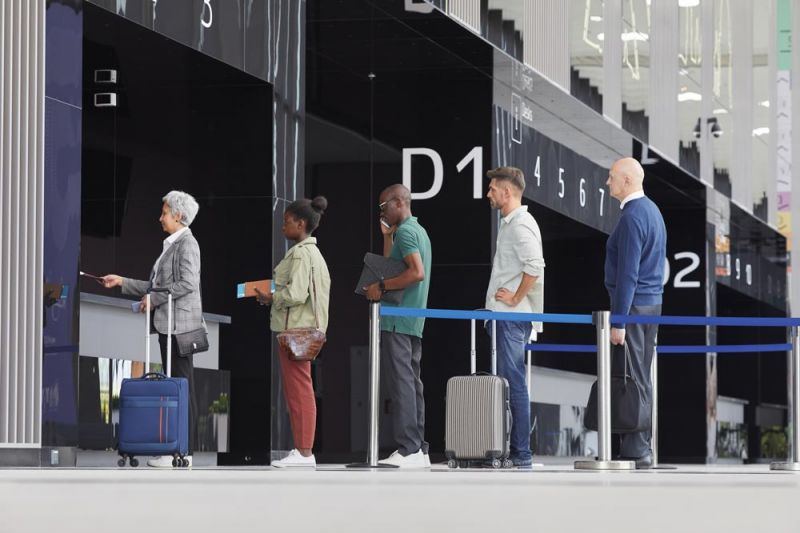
<point>548,498</point>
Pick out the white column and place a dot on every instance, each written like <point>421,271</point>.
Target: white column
<point>612,60</point>
<point>664,48</point>
<point>21,215</point>
<point>741,167</point>
<point>794,277</point>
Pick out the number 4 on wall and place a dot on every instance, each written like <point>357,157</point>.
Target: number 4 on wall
<point>474,156</point>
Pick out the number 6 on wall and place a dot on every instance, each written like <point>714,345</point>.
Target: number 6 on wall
<point>207,4</point>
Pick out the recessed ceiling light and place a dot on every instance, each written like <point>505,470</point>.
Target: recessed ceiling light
<point>688,3</point>
<point>634,36</point>
<point>601,36</point>
<point>596,18</point>
<point>758,132</point>
<point>765,103</point>
<point>690,96</point>
<point>720,111</point>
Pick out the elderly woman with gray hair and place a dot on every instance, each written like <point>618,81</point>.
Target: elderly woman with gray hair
<point>177,268</point>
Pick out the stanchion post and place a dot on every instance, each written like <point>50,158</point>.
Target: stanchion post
<point>793,461</point>
<point>654,415</point>
<point>374,388</point>
<point>602,322</point>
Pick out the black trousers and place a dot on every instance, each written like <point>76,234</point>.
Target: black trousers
<point>641,341</point>
<point>182,367</point>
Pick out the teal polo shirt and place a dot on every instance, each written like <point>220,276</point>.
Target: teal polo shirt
<point>409,238</point>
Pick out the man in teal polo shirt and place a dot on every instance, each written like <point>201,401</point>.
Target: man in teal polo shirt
<point>401,337</point>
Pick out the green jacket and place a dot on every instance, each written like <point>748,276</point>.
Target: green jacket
<point>293,289</point>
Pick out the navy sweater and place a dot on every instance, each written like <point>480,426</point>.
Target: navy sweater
<point>635,255</point>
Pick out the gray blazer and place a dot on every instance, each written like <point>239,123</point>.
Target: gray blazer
<point>179,270</point>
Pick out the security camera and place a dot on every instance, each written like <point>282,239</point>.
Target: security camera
<point>105,75</point>
<point>105,99</point>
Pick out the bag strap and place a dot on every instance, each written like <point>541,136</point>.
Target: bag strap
<point>627,361</point>
<point>314,298</point>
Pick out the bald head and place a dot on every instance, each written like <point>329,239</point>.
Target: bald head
<point>625,177</point>
<point>395,204</point>
<point>630,168</point>
<point>398,191</point>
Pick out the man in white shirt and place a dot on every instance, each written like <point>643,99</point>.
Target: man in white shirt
<point>516,285</point>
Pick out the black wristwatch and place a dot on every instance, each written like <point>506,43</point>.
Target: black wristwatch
<point>382,285</point>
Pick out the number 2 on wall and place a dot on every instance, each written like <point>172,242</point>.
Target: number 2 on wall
<point>679,281</point>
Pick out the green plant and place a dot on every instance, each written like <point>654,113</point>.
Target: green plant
<point>220,405</point>
<point>774,442</point>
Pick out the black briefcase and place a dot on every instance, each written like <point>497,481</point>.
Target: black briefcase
<point>630,413</point>
<point>377,267</point>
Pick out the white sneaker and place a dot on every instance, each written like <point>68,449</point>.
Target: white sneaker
<point>295,459</point>
<point>414,460</point>
<point>160,461</point>
<point>427,460</point>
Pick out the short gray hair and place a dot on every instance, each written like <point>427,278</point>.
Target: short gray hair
<point>183,203</point>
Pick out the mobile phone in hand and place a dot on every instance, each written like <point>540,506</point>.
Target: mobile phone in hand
<point>386,224</point>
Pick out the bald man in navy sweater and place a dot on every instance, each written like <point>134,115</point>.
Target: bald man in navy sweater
<point>634,275</point>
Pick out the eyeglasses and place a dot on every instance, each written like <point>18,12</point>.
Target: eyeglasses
<point>382,205</point>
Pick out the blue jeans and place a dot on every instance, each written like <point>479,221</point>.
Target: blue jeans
<point>511,340</point>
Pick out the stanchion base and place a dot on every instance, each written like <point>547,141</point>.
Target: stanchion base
<point>605,465</point>
<point>790,467</point>
<point>369,466</point>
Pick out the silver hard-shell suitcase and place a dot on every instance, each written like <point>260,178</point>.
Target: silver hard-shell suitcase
<point>478,418</point>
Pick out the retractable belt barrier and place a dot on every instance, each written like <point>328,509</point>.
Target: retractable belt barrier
<point>602,321</point>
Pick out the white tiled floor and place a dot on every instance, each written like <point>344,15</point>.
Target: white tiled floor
<point>551,498</point>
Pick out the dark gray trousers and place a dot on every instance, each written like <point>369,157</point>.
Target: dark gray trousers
<point>641,341</point>
<point>182,367</point>
<point>400,370</point>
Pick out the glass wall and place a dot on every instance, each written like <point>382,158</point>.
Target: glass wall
<point>761,108</point>
<point>586,52</point>
<point>690,93</point>
<point>720,126</point>
<point>184,121</point>
<point>636,67</point>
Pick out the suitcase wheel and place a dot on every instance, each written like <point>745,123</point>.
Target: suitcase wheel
<point>121,462</point>
<point>508,463</point>
<point>452,463</point>
<point>496,463</point>
<point>134,462</point>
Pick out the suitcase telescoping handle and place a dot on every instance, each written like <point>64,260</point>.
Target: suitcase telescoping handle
<point>169,331</point>
<point>473,363</point>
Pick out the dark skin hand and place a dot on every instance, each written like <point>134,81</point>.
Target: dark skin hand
<point>262,297</point>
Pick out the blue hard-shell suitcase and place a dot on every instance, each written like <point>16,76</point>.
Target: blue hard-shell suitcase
<point>154,412</point>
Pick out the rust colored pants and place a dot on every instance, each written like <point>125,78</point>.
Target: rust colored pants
<point>298,391</point>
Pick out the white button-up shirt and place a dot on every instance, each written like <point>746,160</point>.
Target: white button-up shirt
<point>167,243</point>
<point>632,196</point>
<point>518,251</point>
